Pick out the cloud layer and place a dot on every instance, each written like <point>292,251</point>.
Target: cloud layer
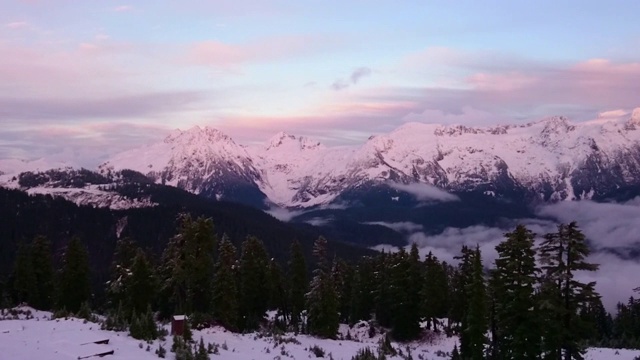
<point>424,192</point>
<point>607,227</point>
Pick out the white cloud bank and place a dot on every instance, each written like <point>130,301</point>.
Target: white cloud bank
<point>607,226</point>
<point>424,192</point>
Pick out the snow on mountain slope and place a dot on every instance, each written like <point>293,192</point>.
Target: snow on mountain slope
<point>551,159</point>
<point>73,185</point>
<point>200,160</point>
<point>550,156</point>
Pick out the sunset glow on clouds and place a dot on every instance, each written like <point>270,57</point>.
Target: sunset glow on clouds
<point>92,78</point>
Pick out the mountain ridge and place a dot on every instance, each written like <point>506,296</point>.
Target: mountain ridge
<point>552,159</point>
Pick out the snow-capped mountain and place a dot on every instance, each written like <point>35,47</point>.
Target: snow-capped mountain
<point>548,160</point>
<point>82,187</point>
<point>201,160</point>
<point>551,159</point>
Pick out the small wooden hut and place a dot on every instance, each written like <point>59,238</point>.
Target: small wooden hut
<point>178,325</point>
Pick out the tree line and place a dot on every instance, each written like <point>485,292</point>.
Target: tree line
<point>528,305</point>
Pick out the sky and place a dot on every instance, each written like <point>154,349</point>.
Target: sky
<point>86,79</point>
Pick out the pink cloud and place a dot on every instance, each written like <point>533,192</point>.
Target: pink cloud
<point>17,25</point>
<point>219,54</point>
<point>501,82</point>
<point>123,8</point>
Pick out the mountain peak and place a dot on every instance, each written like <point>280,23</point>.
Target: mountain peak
<point>282,139</point>
<point>635,116</point>
<point>197,135</point>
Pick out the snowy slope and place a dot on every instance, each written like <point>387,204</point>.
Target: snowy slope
<point>201,160</point>
<point>552,159</point>
<point>44,339</point>
<point>69,184</point>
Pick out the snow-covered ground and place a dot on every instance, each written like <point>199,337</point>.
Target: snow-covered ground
<point>62,339</point>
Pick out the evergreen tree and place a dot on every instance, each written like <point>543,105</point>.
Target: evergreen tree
<point>434,292</point>
<point>461,280</point>
<point>201,242</point>
<point>42,260</point>
<point>277,290</point>
<point>562,255</point>
<point>298,282</point>
<point>455,354</point>
<point>362,301</point>
<point>123,256</point>
<point>384,296</point>
<point>74,282</point>
<point>343,281</point>
<point>322,300</point>
<point>476,316</point>
<point>201,353</point>
<point>405,276</point>
<point>140,287</point>
<point>515,279</point>
<point>186,273</point>
<point>24,280</point>
<point>254,283</point>
<point>225,293</point>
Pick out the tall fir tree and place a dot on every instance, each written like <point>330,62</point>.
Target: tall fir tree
<point>225,291</point>
<point>201,243</point>
<point>562,255</point>
<point>362,299</point>
<point>343,279</point>
<point>515,279</point>
<point>297,282</point>
<point>322,300</point>
<point>477,314</point>
<point>42,262</point>
<point>277,290</point>
<point>187,268</point>
<point>254,283</point>
<point>25,289</point>
<point>141,285</point>
<point>461,279</point>
<point>74,283</point>
<point>120,270</point>
<point>405,311</point>
<point>383,293</point>
<point>434,292</point>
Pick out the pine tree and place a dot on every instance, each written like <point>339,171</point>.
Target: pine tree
<point>123,256</point>
<point>455,354</point>
<point>476,314</point>
<point>343,280</point>
<point>298,282</point>
<point>201,242</point>
<point>515,278</point>
<point>362,301</point>
<point>187,269</point>
<point>74,282</point>
<point>562,255</point>
<point>461,279</point>
<point>277,291</point>
<point>225,293</point>
<point>24,279</point>
<point>140,286</point>
<point>254,283</point>
<point>42,260</point>
<point>322,300</point>
<point>434,292</point>
<point>201,353</point>
<point>405,311</point>
<point>384,296</point>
